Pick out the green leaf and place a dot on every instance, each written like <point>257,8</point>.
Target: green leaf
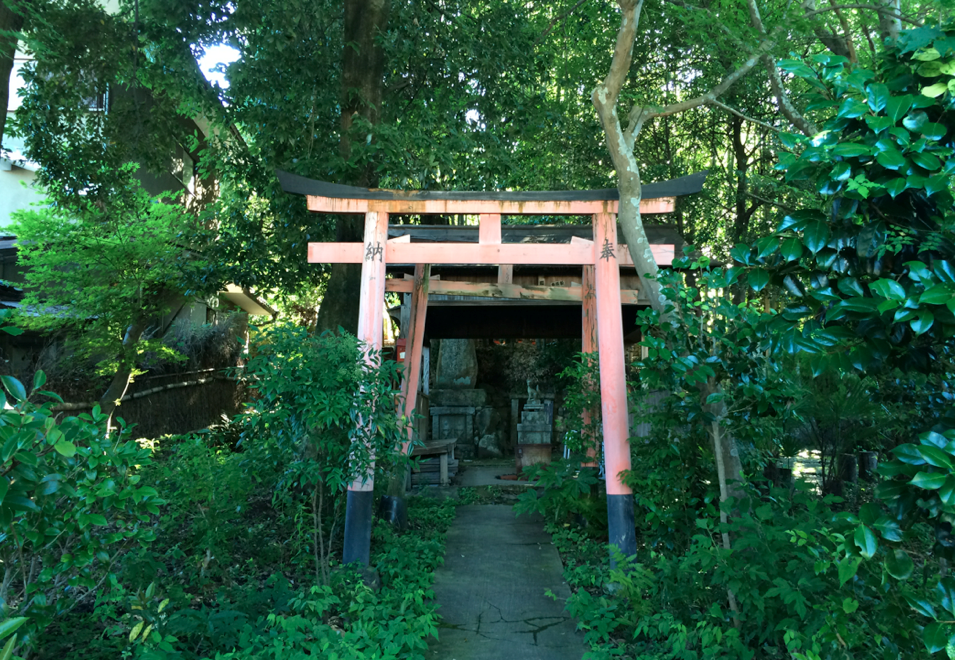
<point>98,519</point>
<point>877,124</point>
<point>4,487</point>
<point>909,453</point>
<point>850,286</point>
<point>929,480</point>
<point>889,289</point>
<point>791,249</point>
<point>851,109</point>
<point>937,295</point>
<point>877,95</point>
<point>39,379</point>
<point>848,568</point>
<point>888,529</point>
<point>65,448</point>
<point>134,633</point>
<point>946,593</point>
<point>766,246</point>
<point>921,606</point>
<point>890,159</point>
<point>850,605</point>
<point>934,91</point>
<point>899,565</point>
<point>927,161</point>
<point>815,235</point>
<point>14,387</point>
<point>796,68</point>
<point>740,253</point>
<point>919,272</point>
<point>936,457</point>
<point>758,279</point>
<point>935,637</point>
<point>10,626</point>
<point>935,184</point>
<point>897,106</point>
<point>21,503</point>
<point>922,322</point>
<point>933,130</point>
<point>865,539</point>
<point>7,652</point>
<point>947,492</point>
<point>851,150</point>
<point>927,55</point>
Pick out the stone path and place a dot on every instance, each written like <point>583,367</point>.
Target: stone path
<point>491,591</point>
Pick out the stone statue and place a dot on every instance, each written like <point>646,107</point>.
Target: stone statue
<point>533,392</point>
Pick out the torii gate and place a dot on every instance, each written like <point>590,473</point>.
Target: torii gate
<point>600,258</point>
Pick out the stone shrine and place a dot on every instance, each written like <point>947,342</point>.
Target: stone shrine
<point>536,425</point>
<point>459,410</point>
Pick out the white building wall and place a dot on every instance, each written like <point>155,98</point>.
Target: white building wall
<point>16,180</point>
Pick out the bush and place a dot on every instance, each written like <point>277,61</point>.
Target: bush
<point>322,416</point>
<point>72,505</point>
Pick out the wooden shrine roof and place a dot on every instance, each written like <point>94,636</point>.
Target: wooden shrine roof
<point>300,185</point>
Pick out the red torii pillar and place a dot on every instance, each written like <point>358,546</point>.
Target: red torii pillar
<point>371,309</point>
<point>613,385</point>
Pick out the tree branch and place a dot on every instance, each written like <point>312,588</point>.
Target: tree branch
<point>739,114</point>
<point>785,105</point>
<point>703,99</point>
<point>622,52</point>
<point>879,10</point>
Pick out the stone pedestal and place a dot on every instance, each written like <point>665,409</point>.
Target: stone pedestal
<point>536,426</point>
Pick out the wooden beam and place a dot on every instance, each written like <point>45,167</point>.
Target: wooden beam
<point>319,204</point>
<point>489,229</point>
<point>415,344</point>
<point>551,254</point>
<point>514,291</point>
<point>505,274</point>
<point>588,346</point>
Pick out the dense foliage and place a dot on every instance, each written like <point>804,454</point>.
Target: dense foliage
<point>819,335</point>
<point>831,335</point>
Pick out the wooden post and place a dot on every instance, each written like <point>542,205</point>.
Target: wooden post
<point>589,348</point>
<point>613,385</point>
<point>413,349</point>
<point>358,507</point>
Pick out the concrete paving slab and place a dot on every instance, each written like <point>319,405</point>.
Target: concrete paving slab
<point>497,568</point>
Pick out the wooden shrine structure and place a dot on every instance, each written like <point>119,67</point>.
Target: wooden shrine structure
<point>593,251</point>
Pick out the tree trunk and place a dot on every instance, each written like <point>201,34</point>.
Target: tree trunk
<point>363,63</point>
<point>117,386</point>
<point>848,468</point>
<point>889,22</point>
<point>620,143</point>
<point>11,20</point>
<point>868,464</point>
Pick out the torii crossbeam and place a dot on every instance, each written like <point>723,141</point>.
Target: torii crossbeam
<point>600,258</point>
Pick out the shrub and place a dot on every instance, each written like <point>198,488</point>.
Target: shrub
<point>71,503</point>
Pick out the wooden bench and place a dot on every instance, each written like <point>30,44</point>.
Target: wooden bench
<point>442,449</point>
